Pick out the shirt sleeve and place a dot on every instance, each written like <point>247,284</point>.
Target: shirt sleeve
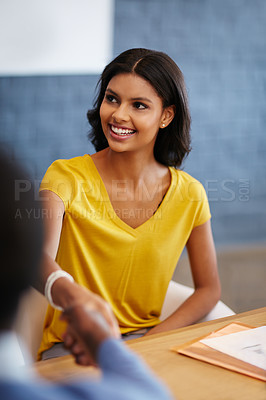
<point>59,180</point>
<point>203,213</point>
<point>118,360</point>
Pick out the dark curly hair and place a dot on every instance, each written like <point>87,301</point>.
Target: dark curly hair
<point>173,144</point>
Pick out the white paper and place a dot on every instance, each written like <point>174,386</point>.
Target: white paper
<point>248,346</point>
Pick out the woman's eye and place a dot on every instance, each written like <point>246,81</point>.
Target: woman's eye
<point>110,98</point>
<point>139,106</point>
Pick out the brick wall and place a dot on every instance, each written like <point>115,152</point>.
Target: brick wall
<point>44,118</point>
<point>221,49</point>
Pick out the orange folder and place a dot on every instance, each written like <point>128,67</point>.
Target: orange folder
<point>200,351</point>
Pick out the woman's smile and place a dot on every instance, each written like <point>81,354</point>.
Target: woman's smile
<point>121,132</point>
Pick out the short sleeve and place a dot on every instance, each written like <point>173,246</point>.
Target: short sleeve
<point>59,180</point>
<point>203,213</point>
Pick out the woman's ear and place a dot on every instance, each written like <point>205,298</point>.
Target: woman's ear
<point>168,116</point>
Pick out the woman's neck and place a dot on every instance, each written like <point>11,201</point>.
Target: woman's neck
<point>128,165</point>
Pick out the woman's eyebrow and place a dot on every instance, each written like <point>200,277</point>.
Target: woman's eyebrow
<point>141,99</point>
<point>133,98</point>
<point>111,91</point>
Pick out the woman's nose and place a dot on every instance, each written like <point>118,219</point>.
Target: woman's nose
<point>121,113</point>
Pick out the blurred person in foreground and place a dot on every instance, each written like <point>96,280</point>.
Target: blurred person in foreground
<point>88,335</point>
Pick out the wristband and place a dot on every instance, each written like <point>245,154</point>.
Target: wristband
<point>49,283</point>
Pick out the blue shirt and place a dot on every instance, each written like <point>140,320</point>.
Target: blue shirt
<point>124,377</point>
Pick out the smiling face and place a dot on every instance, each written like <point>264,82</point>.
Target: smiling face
<point>132,113</point>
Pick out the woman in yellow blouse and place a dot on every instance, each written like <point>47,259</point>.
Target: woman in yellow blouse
<point>118,220</point>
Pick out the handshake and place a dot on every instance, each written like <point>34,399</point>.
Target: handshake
<point>87,329</point>
<point>92,341</point>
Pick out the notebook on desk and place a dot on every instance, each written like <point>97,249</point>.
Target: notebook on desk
<point>198,349</point>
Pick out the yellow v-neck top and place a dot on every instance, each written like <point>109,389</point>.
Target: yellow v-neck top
<point>129,267</point>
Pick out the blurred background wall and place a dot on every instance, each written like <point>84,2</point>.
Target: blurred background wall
<point>221,49</point>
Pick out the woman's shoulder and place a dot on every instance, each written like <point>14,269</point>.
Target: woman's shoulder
<point>184,176</point>
<point>188,184</point>
<point>65,177</point>
<point>72,162</point>
<point>76,165</point>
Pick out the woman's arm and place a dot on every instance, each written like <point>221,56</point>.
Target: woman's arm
<point>64,292</point>
<point>203,263</point>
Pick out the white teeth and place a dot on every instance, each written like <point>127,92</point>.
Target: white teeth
<point>122,132</point>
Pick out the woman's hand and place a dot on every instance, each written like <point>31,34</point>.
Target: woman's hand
<point>85,333</point>
<point>68,294</point>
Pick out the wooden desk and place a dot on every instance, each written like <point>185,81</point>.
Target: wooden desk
<point>188,379</point>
